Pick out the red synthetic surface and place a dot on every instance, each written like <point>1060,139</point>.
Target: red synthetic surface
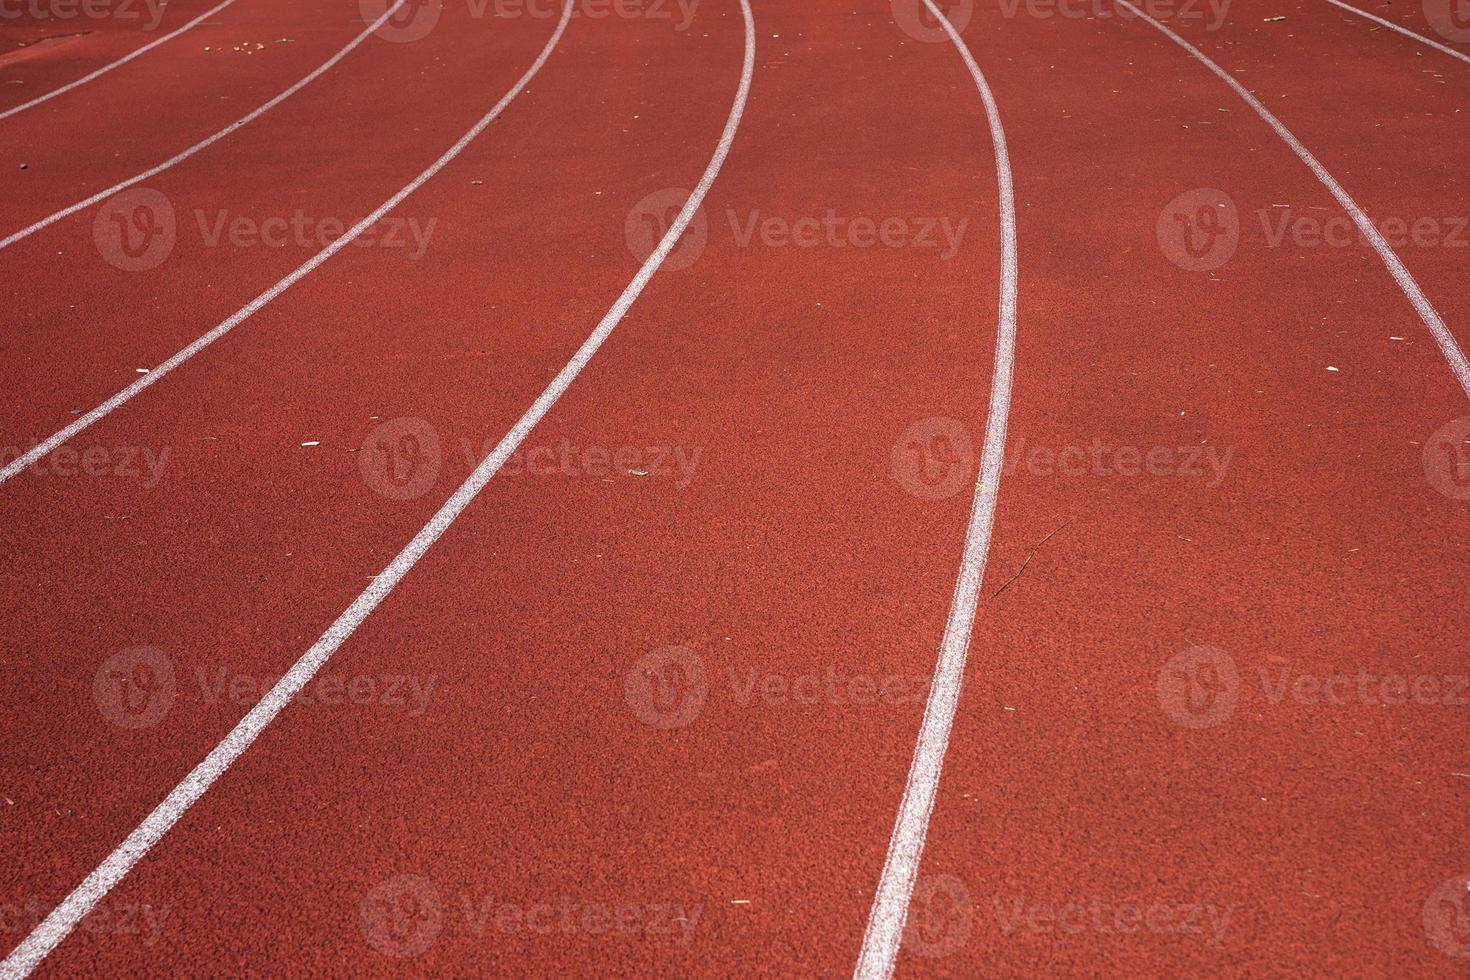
<point>753,502</point>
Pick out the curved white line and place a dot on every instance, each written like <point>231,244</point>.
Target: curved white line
<point>65,916</point>
<point>1442,336</point>
<point>886,920</point>
<point>116,64</point>
<point>162,371</point>
<point>209,141</point>
<point>1402,30</point>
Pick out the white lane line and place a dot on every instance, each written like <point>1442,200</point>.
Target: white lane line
<point>162,371</point>
<point>1442,336</point>
<point>1402,30</point>
<point>64,918</point>
<point>208,141</point>
<point>890,909</point>
<point>116,64</point>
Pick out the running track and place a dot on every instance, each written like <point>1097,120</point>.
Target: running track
<point>1088,602</point>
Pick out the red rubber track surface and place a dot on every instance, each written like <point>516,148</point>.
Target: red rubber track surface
<point>765,391</point>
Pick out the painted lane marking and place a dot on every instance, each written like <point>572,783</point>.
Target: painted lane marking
<point>116,64</point>
<point>886,920</point>
<point>205,143</point>
<point>64,918</point>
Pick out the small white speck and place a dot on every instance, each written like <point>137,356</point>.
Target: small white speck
<point>1331,368</point>
<point>312,443</point>
<point>141,370</point>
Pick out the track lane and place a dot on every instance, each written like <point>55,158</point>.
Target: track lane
<point>546,185</point>
<point>866,363</point>
<point>136,119</point>
<point>1317,833</point>
<point>114,320</point>
<point>372,28</point>
<point>32,101</point>
<point>1413,35</point>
